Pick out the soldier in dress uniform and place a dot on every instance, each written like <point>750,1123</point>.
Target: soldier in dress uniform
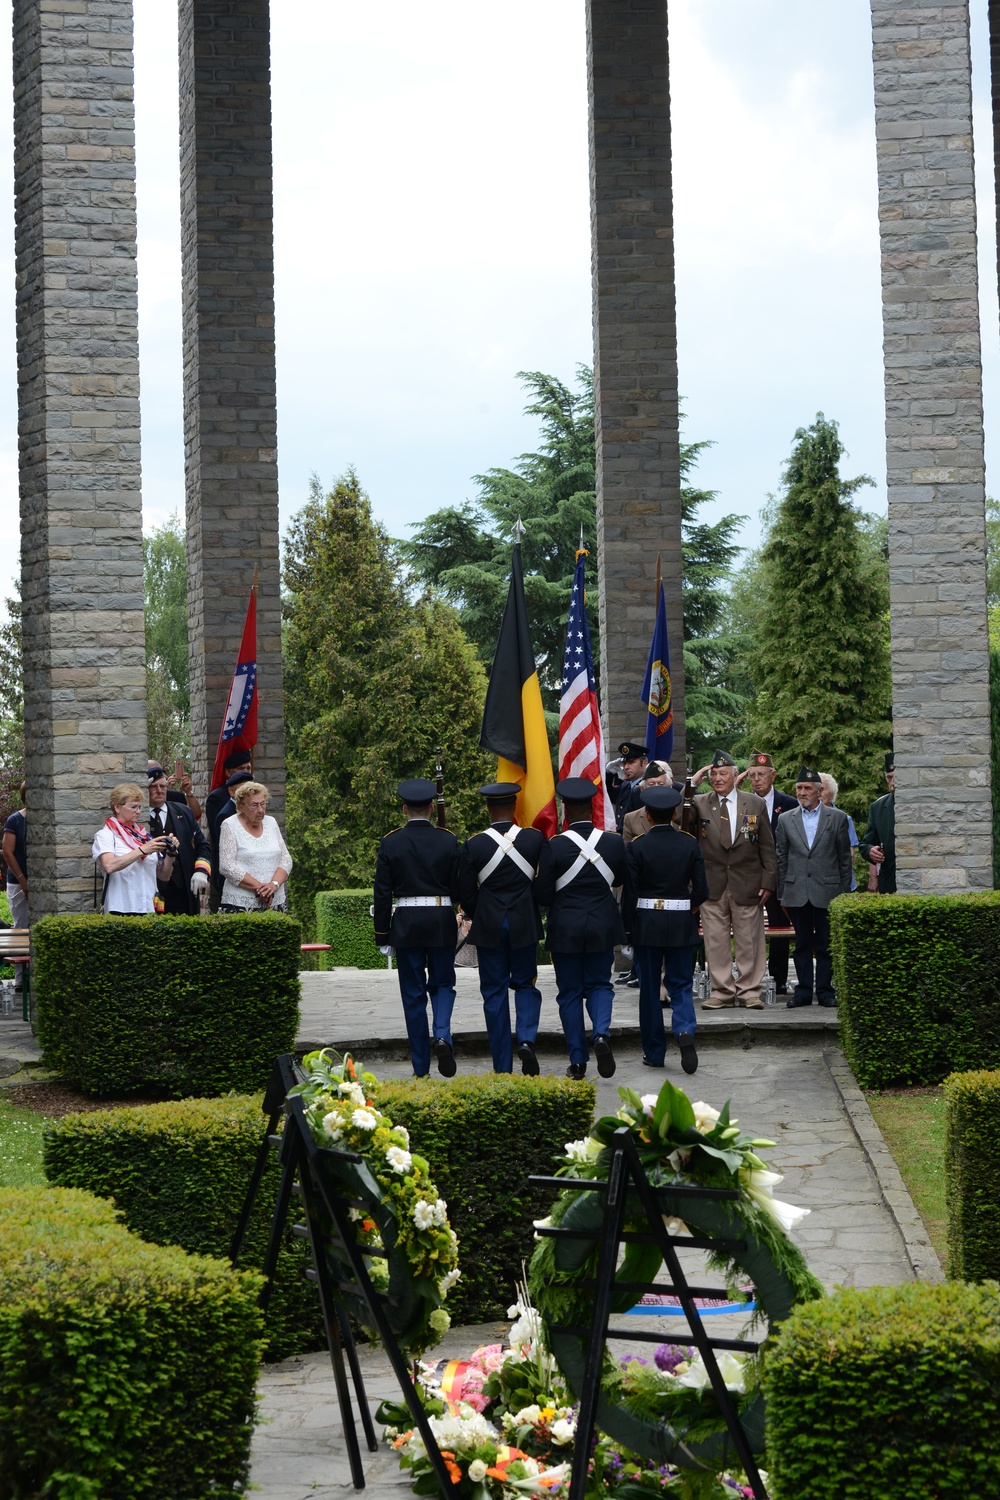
<point>417,868</point>
<point>665,884</point>
<point>496,883</point>
<point>634,758</point>
<point>878,842</point>
<point>577,873</point>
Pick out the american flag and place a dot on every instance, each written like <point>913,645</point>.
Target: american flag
<point>581,746</point>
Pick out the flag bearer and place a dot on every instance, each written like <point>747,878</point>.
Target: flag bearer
<point>496,887</point>
<point>416,884</point>
<point>577,873</point>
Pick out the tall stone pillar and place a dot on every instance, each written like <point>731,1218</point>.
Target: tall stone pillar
<point>934,445</point>
<point>78,430</point>
<point>635,353</point>
<point>230,422</point>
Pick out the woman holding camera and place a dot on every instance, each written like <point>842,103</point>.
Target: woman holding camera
<point>253,856</point>
<point>133,862</point>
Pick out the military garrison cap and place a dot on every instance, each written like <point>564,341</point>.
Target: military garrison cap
<point>576,789</point>
<point>761,758</point>
<point>806,773</point>
<point>417,791</point>
<point>722,758</point>
<point>655,768</point>
<point>660,797</point>
<point>500,791</point>
<point>630,750</point>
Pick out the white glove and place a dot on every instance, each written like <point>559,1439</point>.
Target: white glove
<point>199,882</point>
<point>388,951</point>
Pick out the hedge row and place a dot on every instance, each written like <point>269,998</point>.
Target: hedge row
<point>178,1173</point>
<point>343,919</point>
<point>890,1392</point>
<point>972,1175</point>
<point>193,1005</point>
<point>918,985</point>
<point>127,1371</point>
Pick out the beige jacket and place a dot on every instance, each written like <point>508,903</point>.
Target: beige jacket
<point>750,865</point>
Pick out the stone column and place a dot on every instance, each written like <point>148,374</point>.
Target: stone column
<point>934,445</point>
<point>78,430</point>
<point>635,353</point>
<point>230,423</point>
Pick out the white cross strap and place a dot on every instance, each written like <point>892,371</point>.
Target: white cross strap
<point>588,855</point>
<point>505,850</point>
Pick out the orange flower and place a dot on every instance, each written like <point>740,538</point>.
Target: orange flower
<point>404,1437</point>
<point>367,1225</point>
<point>349,1065</point>
<point>454,1472</point>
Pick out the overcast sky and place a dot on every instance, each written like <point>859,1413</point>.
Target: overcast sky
<point>432,239</point>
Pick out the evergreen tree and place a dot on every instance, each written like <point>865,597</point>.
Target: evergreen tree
<point>820,666</point>
<point>12,688</point>
<point>374,683</point>
<point>168,696</point>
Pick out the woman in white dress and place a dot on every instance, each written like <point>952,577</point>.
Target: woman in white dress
<point>253,857</point>
<point>133,862</point>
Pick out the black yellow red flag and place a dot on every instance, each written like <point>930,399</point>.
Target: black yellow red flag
<point>513,717</point>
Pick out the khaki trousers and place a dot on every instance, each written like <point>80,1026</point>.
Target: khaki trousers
<point>747,924</point>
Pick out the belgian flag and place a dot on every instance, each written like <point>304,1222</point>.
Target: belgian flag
<point>513,718</point>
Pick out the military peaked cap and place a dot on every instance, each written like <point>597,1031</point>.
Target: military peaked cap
<point>417,790</point>
<point>501,791</point>
<point>722,758</point>
<point>629,750</point>
<point>890,761</point>
<point>153,773</point>
<point>806,773</point>
<point>662,798</point>
<point>576,789</point>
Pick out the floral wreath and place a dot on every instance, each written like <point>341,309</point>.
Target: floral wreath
<point>668,1414</point>
<point>410,1248</point>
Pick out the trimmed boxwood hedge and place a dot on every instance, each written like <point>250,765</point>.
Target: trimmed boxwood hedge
<point>889,1392</point>
<point>179,1172</point>
<point>918,985</point>
<point>127,1370</point>
<point>192,1005</point>
<point>343,919</point>
<point>483,1137</point>
<point>972,1175</point>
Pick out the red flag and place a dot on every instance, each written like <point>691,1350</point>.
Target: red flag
<point>239,726</point>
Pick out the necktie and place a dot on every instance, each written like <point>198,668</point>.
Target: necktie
<point>727,832</point>
<point>156,823</point>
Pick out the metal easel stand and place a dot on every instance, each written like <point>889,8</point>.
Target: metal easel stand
<point>626,1172</point>
<point>338,1271</point>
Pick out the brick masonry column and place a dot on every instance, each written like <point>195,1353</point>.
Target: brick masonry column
<point>635,353</point>
<point>934,445</point>
<point>230,422</point>
<point>78,430</point>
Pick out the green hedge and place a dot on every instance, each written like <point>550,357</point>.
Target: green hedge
<point>891,1393</point>
<point>127,1371</point>
<point>178,1173</point>
<point>483,1137</point>
<point>972,1175</point>
<point>918,985</point>
<point>193,1005</point>
<point>343,919</point>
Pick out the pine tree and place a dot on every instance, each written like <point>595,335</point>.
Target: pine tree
<point>821,666</point>
<point>375,683</point>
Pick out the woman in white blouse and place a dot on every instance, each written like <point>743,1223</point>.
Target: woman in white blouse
<point>253,857</point>
<point>132,861</point>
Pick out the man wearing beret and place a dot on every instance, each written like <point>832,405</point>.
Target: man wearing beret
<point>735,836</point>
<point>878,842</point>
<point>496,882</point>
<point>577,873</point>
<point>761,775</point>
<point>634,758</point>
<point>814,865</point>
<point>664,886</point>
<point>416,884</point>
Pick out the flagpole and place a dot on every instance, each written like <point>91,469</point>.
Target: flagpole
<point>656,596</point>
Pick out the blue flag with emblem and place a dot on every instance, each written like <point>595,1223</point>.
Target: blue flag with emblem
<point>657,693</point>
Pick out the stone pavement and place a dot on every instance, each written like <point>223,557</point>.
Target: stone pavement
<point>786,1093</point>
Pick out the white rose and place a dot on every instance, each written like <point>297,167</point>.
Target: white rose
<point>363,1119</point>
<point>562,1432</point>
<point>530,1468</point>
<point>352,1091</point>
<point>648,1102</point>
<point>398,1159</point>
<point>477,1470</point>
<point>423,1214</point>
<point>704,1116</point>
<point>527,1416</point>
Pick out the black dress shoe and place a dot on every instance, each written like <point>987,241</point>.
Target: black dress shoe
<point>529,1062</point>
<point>605,1056</point>
<point>795,1002</point>
<point>648,1062</point>
<point>445,1058</point>
<point>781,989</point>
<point>577,1071</point>
<point>689,1057</point>
<point>830,1001</point>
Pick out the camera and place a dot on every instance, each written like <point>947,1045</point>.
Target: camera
<point>172,845</point>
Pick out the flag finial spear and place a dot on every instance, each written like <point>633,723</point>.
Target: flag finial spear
<point>581,551</point>
<point>518,530</point>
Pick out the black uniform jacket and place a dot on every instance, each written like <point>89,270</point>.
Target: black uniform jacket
<point>584,915</point>
<point>668,864</point>
<point>418,859</point>
<point>881,830</point>
<point>179,820</point>
<point>507,893</point>
<point>219,806</point>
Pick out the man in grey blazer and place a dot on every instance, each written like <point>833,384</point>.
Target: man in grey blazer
<point>814,864</point>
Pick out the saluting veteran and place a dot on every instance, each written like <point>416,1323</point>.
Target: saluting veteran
<point>577,872</point>
<point>734,832</point>
<point>417,866</point>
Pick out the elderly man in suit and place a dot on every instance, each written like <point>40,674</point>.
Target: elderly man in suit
<point>761,775</point>
<point>735,838</point>
<point>814,865</point>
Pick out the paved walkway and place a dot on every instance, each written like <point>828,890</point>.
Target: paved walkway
<point>784,1092</point>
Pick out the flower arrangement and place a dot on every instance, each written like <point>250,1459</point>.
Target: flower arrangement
<point>411,1249</point>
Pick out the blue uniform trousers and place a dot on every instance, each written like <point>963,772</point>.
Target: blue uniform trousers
<point>581,976</point>
<point>501,970</point>
<point>677,968</point>
<point>426,972</point>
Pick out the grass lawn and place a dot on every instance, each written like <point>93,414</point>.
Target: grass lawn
<point>20,1147</point>
<point>912,1122</point>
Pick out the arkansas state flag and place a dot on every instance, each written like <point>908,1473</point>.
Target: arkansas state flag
<point>513,717</point>
<point>239,726</point>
